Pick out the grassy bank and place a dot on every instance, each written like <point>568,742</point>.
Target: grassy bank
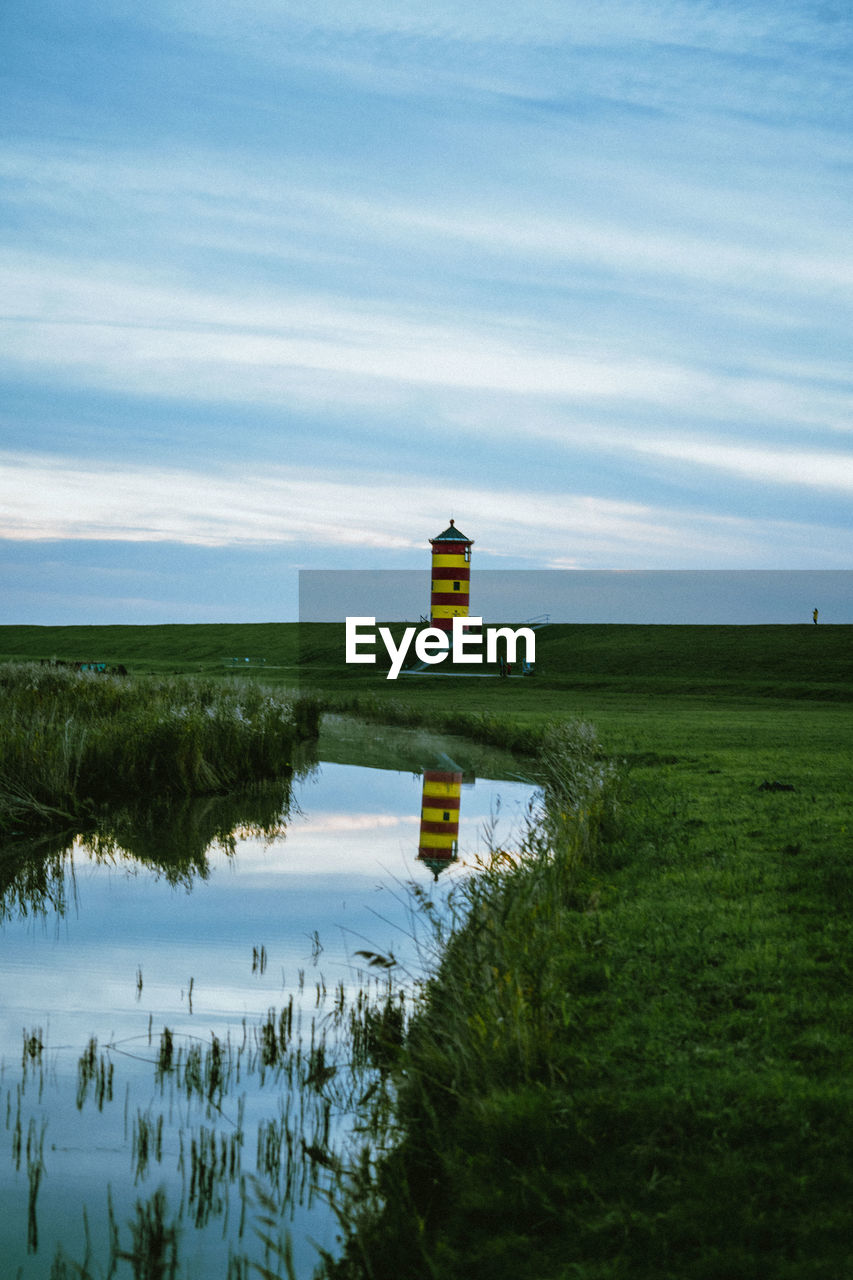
<point>634,1059</point>
<point>75,740</point>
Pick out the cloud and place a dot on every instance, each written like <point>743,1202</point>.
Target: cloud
<point>99,326</point>
<point>798,467</point>
<point>46,498</point>
<point>721,27</point>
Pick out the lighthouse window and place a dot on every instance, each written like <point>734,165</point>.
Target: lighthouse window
<point>446,815</point>
<point>456,586</point>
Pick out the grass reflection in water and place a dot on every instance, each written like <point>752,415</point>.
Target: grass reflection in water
<point>215,1133</point>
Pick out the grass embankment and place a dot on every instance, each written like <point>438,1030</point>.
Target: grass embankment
<point>760,661</point>
<point>74,740</point>
<point>634,1059</point>
<point>192,648</point>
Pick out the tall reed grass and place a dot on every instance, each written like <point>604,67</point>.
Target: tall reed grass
<point>475,1073</point>
<point>75,739</point>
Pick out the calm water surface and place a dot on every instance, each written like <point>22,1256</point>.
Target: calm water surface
<point>221,949</point>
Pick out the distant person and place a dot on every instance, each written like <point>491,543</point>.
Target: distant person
<point>814,617</point>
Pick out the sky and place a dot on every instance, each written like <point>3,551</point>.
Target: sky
<point>284,286</point>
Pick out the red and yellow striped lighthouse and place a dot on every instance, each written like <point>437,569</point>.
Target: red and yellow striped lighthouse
<point>451,577</point>
<point>439,819</point>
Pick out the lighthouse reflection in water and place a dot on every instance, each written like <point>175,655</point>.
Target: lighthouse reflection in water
<point>439,836</point>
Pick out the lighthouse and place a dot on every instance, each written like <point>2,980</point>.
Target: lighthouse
<point>439,819</point>
<point>451,576</point>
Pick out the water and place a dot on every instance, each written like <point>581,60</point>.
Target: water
<point>173,1017</point>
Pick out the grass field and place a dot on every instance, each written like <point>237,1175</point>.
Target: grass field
<point>714,710</point>
<point>635,1059</point>
<point>764,660</point>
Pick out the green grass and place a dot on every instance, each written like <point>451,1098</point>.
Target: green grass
<point>76,740</point>
<point>766,661</point>
<point>634,1059</point>
<point>190,648</point>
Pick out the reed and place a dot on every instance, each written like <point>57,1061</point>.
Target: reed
<point>197,1143</point>
<point>95,1071</point>
<point>75,740</point>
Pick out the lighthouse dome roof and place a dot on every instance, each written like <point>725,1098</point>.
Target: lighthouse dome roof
<point>451,534</point>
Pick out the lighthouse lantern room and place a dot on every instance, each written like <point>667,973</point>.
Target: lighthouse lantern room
<point>451,575</point>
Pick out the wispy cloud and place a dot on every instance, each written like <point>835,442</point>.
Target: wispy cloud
<point>48,499</point>
<point>828,471</point>
<point>101,327</point>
